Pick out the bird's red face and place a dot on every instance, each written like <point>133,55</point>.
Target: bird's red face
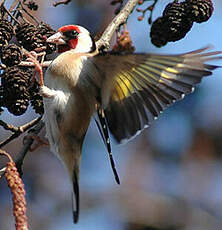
<point>66,38</point>
<point>72,37</point>
<point>70,34</point>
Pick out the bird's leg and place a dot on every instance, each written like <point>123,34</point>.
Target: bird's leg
<point>38,139</point>
<point>32,57</point>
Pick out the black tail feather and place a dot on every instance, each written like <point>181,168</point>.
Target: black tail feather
<point>100,131</point>
<point>103,129</point>
<point>75,197</point>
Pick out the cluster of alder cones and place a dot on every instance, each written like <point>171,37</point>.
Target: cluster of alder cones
<point>18,86</point>
<point>177,20</point>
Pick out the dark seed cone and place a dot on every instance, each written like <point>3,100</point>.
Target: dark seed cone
<point>6,32</point>
<point>15,82</point>
<point>19,107</point>
<point>179,24</point>
<point>11,55</point>
<point>28,37</point>
<point>2,12</point>
<point>200,10</point>
<point>159,32</point>
<point>3,39</point>
<point>34,37</point>
<point>35,98</point>
<point>46,31</point>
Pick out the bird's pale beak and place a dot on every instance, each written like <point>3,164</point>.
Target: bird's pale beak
<point>56,38</point>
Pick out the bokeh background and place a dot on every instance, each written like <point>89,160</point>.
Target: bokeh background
<point>171,175</point>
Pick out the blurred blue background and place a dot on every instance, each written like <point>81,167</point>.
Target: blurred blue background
<point>170,174</point>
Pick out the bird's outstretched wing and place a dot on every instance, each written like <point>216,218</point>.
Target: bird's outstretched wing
<point>136,88</point>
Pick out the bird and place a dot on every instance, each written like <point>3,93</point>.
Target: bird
<point>124,93</point>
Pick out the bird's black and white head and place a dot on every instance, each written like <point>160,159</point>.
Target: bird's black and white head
<point>73,37</point>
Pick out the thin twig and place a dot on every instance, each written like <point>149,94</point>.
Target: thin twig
<point>17,130</point>
<point>3,152</point>
<point>35,55</point>
<point>12,17</point>
<point>45,64</point>
<point>64,2</point>
<point>2,172</point>
<point>121,18</point>
<point>6,126</point>
<point>13,5</point>
<point>21,155</point>
<point>30,15</point>
<point>9,139</point>
<point>16,13</point>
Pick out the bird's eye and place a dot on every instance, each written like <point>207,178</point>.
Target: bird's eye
<point>71,34</point>
<point>74,33</point>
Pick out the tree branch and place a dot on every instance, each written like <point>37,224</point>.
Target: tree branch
<point>65,2</point>
<point>121,18</point>
<point>17,130</point>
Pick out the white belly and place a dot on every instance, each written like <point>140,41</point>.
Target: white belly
<point>54,108</point>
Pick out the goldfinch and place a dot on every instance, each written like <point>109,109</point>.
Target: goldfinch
<point>124,93</point>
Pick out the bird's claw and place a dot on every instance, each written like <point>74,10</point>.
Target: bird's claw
<point>33,54</point>
<point>38,142</point>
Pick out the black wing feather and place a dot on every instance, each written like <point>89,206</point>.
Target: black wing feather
<point>136,88</point>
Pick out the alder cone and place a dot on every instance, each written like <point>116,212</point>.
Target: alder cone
<point>36,99</point>
<point>28,37</point>
<point>159,32</point>
<point>6,32</point>
<point>11,55</point>
<point>15,94</point>
<point>179,23</point>
<point>200,10</point>
<point>46,31</point>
